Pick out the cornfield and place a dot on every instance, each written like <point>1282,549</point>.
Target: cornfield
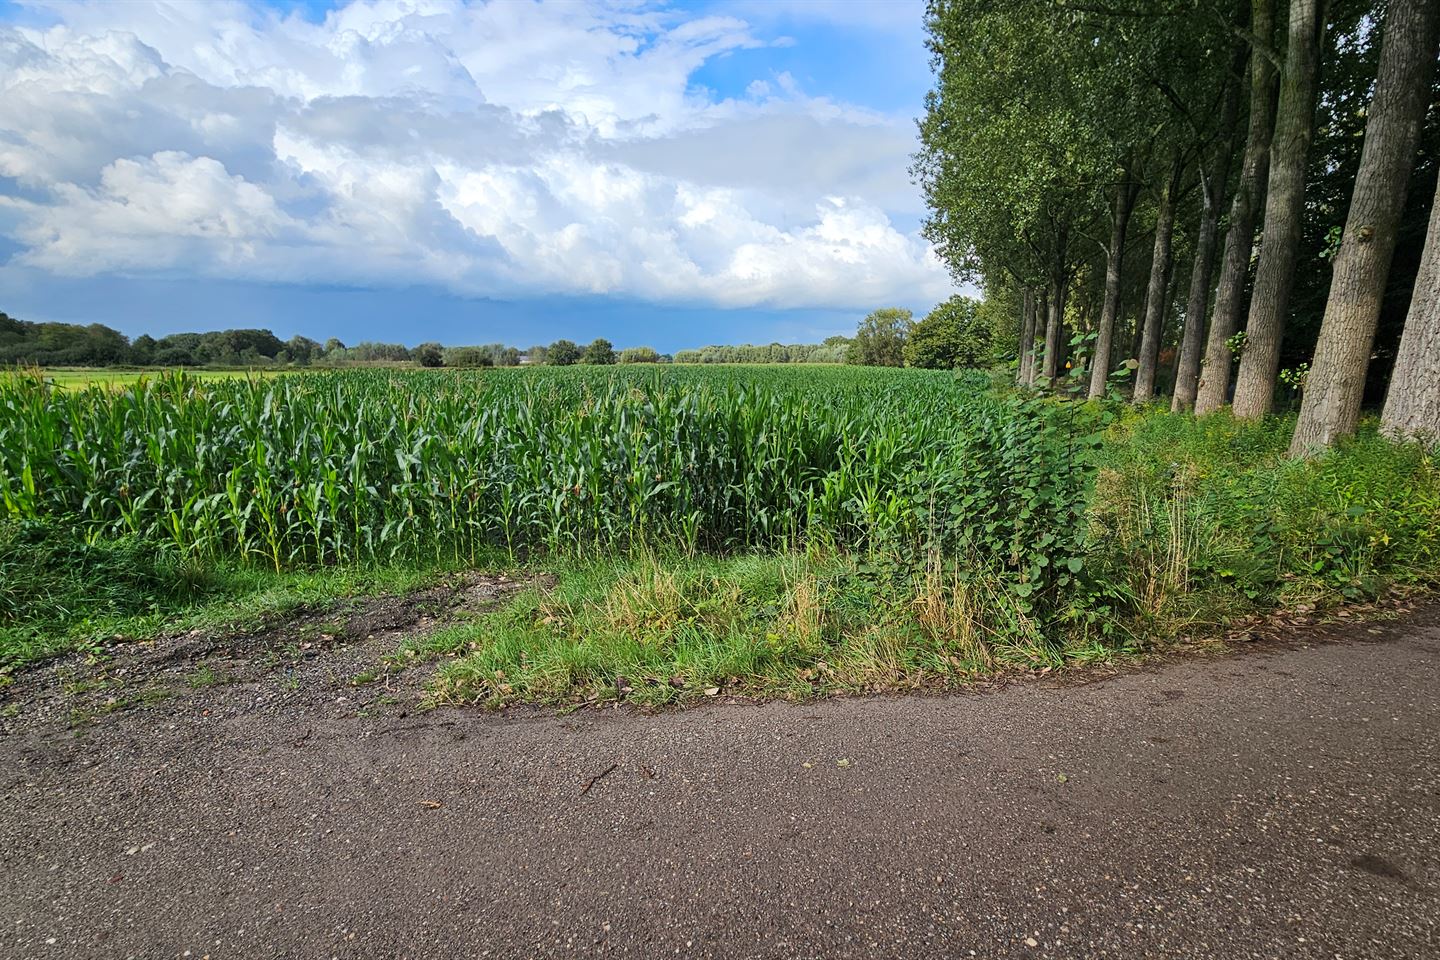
<point>358,466</point>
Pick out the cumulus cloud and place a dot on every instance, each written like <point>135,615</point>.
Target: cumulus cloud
<point>502,149</point>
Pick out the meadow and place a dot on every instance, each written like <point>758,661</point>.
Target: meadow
<point>80,377</point>
<point>759,529</point>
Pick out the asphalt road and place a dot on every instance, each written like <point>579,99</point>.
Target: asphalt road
<point>1282,802</point>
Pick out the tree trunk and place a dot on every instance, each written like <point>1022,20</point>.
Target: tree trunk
<point>1027,339</point>
<point>1284,209</point>
<point>1122,207</point>
<point>1331,405</point>
<point>1157,294</point>
<point>1055,320</point>
<point>1212,187</point>
<point>1214,386</point>
<point>1054,309</point>
<point>1412,408</point>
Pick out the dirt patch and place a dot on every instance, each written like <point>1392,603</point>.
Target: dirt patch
<point>330,654</point>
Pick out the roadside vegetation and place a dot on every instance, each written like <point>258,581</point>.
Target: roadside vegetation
<point>763,531</point>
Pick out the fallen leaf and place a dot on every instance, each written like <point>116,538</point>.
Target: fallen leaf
<point>842,763</point>
<point>431,804</point>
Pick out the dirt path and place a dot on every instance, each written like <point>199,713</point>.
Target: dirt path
<point>1280,803</point>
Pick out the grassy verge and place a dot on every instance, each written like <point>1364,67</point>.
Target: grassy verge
<point>60,593</point>
<point>662,629</point>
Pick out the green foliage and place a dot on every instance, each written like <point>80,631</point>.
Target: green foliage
<point>599,353</point>
<point>831,351</point>
<point>639,355</point>
<point>655,629</point>
<point>363,466</point>
<point>430,355</point>
<point>467,357</point>
<point>1201,519</point>
<point>880,339</point>
<point>956,518</point>
<point>51,580</point>
<point>952,335</point>
<point>562,353</point>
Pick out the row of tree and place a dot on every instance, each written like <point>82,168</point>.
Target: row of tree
<point>96,345</point>
<point>1203,191</point>
<point>832,350</point>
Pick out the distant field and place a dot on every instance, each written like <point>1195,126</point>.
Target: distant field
<point>88,376</point>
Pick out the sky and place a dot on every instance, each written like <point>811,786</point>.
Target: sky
<point>669,174</point>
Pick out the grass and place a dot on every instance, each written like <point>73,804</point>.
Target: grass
<point>652,629</point>
<point>60,593</point>
<point>74,378</point>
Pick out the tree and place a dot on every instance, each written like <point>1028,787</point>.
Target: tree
<point>1214,172</point>
<point>1122,205</point>
<point>600,352</point>
<point>1412,408</point>
<point>952,335</point>
<point>639,355</point>
<point>142,350</point>
<point>1336,381</point>
<point>301,350</point>
<point>429,355</point>
<point>468,357</point>
<point>1157,297</point>
<point>880,339</point>
<point>562,353</point>
<point>1213,389</point>
<point>1284,208</point>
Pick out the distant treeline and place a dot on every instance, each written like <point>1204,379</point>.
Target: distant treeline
<point>833,350</point>
<point>96,345</point>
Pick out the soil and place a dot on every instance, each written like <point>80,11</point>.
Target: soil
<point>1282,801</point>
<point>305,660</point>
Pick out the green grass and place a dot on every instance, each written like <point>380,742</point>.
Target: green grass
<point>110,377</point>
<point>60,593</point>
<point>654,629</point>
<point>1196,522</point>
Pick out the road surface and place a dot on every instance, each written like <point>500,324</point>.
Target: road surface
<point>1279,802</point>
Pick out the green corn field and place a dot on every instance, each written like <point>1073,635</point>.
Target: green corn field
<point>367,466</point>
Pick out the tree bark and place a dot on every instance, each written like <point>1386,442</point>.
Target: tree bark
<point>1055,311</point>
<point>1212,187</point>
<point>1121,208</point>
<point>1412,408</point>
<point>1336,383</point>
<point>1214,387</point>
<point>1284,209</point>
<point>1157,294</point>
<point>1056,318</point>
<point>1026,367</point>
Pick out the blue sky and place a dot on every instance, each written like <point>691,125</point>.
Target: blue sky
<point>665,174</point>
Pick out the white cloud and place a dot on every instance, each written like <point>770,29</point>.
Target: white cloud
<point>502,150</point>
